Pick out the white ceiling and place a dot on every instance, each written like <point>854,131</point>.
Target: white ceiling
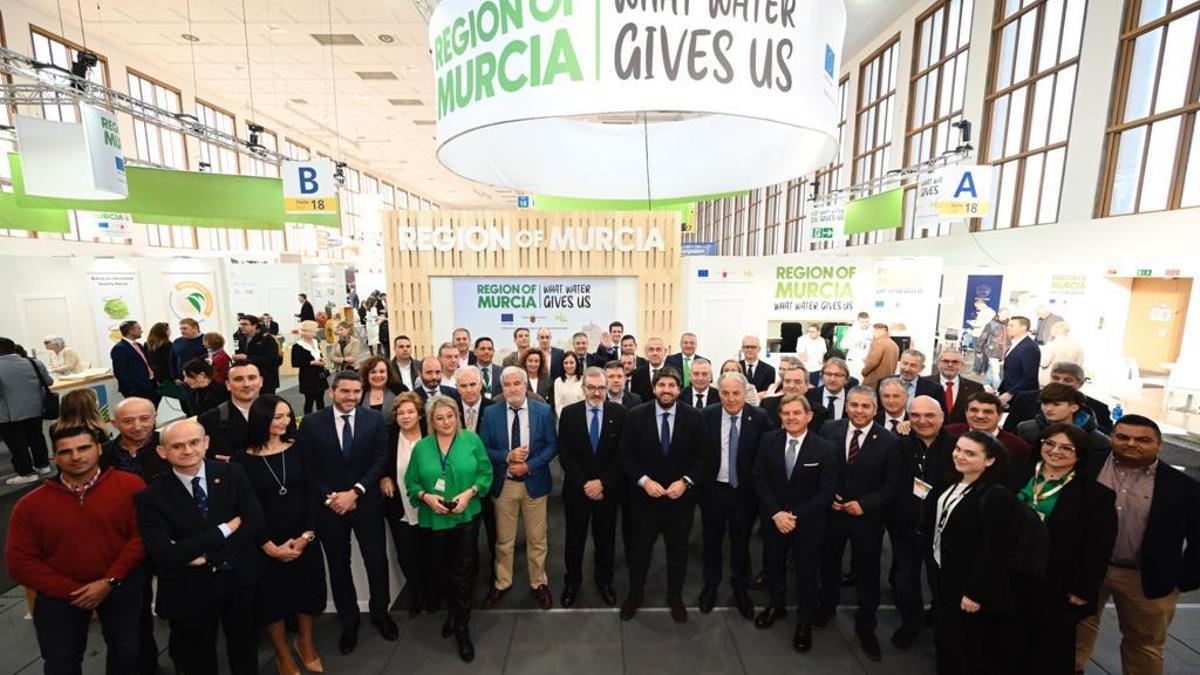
<point>289,66</point>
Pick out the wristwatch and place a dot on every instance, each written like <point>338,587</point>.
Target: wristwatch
<point>115,582</point>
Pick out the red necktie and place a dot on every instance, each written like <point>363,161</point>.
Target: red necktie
<point>142,354</point>
<point>852,456</point>
<point>949,395</point>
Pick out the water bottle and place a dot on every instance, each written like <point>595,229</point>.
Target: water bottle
<point>1117,412</point>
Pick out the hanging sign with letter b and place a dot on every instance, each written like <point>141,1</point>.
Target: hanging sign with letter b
<point>309,187</point>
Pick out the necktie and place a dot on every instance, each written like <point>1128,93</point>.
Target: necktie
<point>750,371</point>
<point>699,400</point>
<point>852,456</point>
<point>653,374</point>
<point>664,436</point>
<point>629,385</point>
<point>894,424</point>
<point>733,450</point>
<point>594,430</point>
<point>486,371</point>
<point>347,436</point>
<point>471,419</point>
<point>138,349</point>
<point>515,435</point>
<point>687,371</point>
<point>949,395</point>
<point>791,455</point>
<point>832,410</point>
<point>200,496</point>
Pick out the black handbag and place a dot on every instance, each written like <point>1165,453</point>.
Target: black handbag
<point>49,398</point>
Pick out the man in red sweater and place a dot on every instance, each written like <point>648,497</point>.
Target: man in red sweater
<point>74,540</point>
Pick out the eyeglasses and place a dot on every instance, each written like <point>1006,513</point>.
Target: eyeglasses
<point>832,375</point>
<point>1054,445</point>
<point>593,389</point>
<point>750,346</point>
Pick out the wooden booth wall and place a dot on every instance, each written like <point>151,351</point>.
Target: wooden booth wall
<point>408,272</point>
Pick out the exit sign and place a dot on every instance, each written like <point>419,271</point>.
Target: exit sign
<point>1143,273</point>
<point>822,233</point>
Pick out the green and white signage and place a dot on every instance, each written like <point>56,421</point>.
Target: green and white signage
<point>73,160</point>
<point>549,96</point>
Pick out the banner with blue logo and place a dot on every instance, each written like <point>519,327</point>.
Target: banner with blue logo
<point>985,287</point>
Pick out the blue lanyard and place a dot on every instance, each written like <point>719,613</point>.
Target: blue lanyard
<point>443,458</point>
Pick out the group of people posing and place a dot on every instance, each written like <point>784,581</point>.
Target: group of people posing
<point>1023,537</point>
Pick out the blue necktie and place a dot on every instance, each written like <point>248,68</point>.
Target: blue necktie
<point>347,436</point>
<point>733,450</point>
<point>665,435</point>
<point>594,430</point>
<point>515,436</point>
<point>200,496</point>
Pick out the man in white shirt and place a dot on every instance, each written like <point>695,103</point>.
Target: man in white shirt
<point>701,394</point>
<point>856,341</point>
<point>893,399</point>
<point>402,361</point>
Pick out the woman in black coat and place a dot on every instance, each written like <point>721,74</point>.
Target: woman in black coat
<point>309,361</point>
<point>974,527</point>
<point>1081,517</point>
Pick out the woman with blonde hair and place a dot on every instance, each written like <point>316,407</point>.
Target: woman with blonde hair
<point>408,417</point>
<point>309,361</point>
<point>64,360</point>
<point>80,408</point>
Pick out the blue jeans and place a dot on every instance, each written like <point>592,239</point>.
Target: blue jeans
<point>62,630</point>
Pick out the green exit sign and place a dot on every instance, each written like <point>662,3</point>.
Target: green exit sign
<point>1143,273</point>
<point>822,233</point>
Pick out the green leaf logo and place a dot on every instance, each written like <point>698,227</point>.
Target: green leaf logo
<point>196,299</point>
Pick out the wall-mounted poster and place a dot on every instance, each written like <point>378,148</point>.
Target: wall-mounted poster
<point>192,295</point>
<point>114,297</point>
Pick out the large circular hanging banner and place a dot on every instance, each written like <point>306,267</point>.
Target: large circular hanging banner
<point>636,99</point>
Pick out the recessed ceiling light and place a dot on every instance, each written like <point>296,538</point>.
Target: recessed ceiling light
<point>274,28</point>
<point>376,75</point>
<point>336,38</point>
<point>424,123</point>
<point>298,100</point>
<point>404,101</point>
<point>386,39</point>
<point>189,37</point>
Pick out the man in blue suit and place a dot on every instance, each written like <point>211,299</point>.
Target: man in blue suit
<point>345,448</point>
<point>521,441</point>
<point>130,366</point>
<point>1022,361</point>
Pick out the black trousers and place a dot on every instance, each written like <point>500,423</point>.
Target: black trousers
<point>27,444</point>
<point>194,639</point>
<point>412,544</point>
<point>314,402</point>
<point>724,508</point>
<point>865,535</point>
<point>625,502</point>
<point>62,630</point>
<point>803,545</point>
<point>147,646</point>
<point>334,531</point>
<point>488,517</point>
<point>977,644</point>
<point>907,558</point>
<point>672,518</point>
<point>602,515</point>
<point>456,560</point>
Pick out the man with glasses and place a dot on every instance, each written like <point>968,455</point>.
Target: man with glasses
<point>955,389</point>
<point>831,395</point>
<point>760,373</point>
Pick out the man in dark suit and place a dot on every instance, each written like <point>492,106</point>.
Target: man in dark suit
<point>1157,553</point>
<point>795,475</point>
<point>760,373</point>
<point>665,454</point>
<point>226,423</point>
<point>489,371</point>
<point>816,379</point>
<point>983,414</point>
<point>260,349</point>
<point>306,309</point>
<point>910,367</point>
<point>1026,406</point>
<point>629,346</point>
<point>579,341</point>
<point>544,337</point>
<point>830,397</point>
<point>130,366</point>
<point>431,381</point>
<point>656,360</point>
<point>609,348</point>
<point>614,373</point>
<point>794,381</point>
<point>1022,361</point>
<point>589,437</point>
<point>408,368</point>
<point>461,338</point>
<point>200,523</point>
<point>346,446</point>
<point>683,359</point>
<point>701,393</point>
<point>269,325</point>
<point>893,401</point>
<point>869,480</point>
<point>955,389</point>
<point>727,500</point>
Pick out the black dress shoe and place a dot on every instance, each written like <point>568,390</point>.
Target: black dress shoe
<point>678,611</point>
<point>708,598</point>
<point>927,617</point>
<point>448,626</point>
<point>629,608</point>
<point>760,582</point>
<point>869,644</point>
<point>769,616</point>
<point>745,605</point>
<point>349,640</point>
<point>386,626</point>
<point>823,617</point>
<point>802,639</point>
<point>466,650</point>
<point>608,594</point>
<point>568,596</point>
<point>905,636</point>
<point>433,602</point>
<point>493,597</point>
<point>848,579</point>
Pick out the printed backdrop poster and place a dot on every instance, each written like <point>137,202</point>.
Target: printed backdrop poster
<point>192,295</point>
<point>984,287</point>
<point>114,297</point>
<point>497,306</point>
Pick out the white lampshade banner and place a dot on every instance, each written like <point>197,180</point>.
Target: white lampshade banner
<point>632,99</point>
<point>73,160</point>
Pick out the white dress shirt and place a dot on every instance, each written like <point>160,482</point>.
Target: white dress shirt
<point>523,414</point>
<point>187,485</point>
<point>1015,343</point>
<point>403,455</point>
<point>711,396</point>
<point>955,386</point>
<point>799,446</point>
<point>338,423</point>
<point>405,373</point>
<point>887,421</point>
<point>839,402</point>
<point>862,438</point>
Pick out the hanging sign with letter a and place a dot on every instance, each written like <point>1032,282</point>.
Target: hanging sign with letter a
<point>309,187</point>
<point>965,191</point>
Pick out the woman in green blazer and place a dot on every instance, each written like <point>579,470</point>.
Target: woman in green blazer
<point>447,472</point>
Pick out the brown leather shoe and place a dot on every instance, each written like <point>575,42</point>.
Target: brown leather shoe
<point>542,593</point>
<point>678,611</point>
<point>493,597</point>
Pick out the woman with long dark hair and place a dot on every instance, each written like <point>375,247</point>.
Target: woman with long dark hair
<point>568,388</point>
<point>294,583</point>
<point>974,527</point>
<point>1081,516</point>
<point>381,383</point>
<point>538,372</point>
<point>158,353</point>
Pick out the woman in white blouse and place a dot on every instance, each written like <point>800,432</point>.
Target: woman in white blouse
<point>569,387</point>
<point>410,539</point>
<point>64,360</point>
